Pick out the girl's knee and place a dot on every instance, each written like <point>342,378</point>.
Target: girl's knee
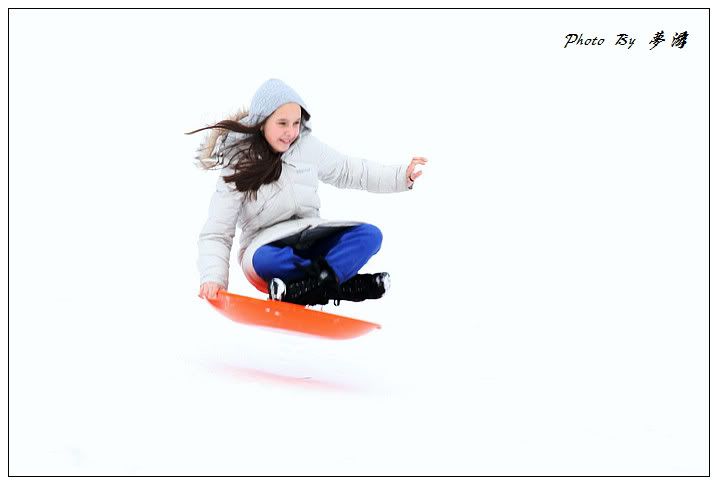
<point>372,234</point>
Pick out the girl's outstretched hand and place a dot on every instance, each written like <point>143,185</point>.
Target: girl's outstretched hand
<point>209,290</point>
<point>411,176</point>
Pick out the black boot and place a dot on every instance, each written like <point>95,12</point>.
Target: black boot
<point>362,287</point>
<point>320,280</point>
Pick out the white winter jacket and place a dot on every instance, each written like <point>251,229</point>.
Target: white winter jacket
<point>287,208</point>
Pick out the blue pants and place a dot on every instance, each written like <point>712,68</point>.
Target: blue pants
<point>345,251</point>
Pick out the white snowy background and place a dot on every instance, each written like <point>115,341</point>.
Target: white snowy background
<point>549,307</point>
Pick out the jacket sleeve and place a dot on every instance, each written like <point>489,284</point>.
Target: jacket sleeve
<point>344,171</point>
<point>215,240</point>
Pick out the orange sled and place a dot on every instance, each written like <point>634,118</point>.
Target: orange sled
<point>288,316</point>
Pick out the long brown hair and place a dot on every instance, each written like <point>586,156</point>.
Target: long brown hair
<point>254,161</point>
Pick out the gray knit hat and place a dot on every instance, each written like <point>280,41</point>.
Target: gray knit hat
<point>272,94</point>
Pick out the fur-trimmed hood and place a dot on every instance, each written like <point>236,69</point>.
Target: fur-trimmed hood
<point>206,157</point>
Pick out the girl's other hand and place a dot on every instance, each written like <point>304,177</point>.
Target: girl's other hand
<point>209,290</point>
<point>411,176</point>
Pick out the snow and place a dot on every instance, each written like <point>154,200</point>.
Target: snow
<point>548,309</point>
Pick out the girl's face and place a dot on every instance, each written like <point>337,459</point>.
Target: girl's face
<point>282,126</point>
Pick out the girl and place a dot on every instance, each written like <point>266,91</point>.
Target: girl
<point>271,164</point>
